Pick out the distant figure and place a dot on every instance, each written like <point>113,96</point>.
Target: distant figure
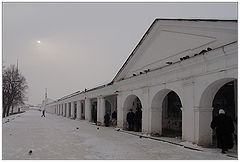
<point>130,120</point>
<point>114,118</point>
<point>138,120</point>
<point>43,113</point>
<point>106,119</point>
<point>224,131</point>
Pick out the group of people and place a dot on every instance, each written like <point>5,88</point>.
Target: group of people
<point>134,120</point>
<point>107,119</point>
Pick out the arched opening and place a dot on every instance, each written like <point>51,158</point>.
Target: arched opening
<point>75,110</point>
<point>226,99</point>
<point>65,110</point>
<point>82,110</point>
<point>108,107</point>
<point>69,110</point>
<point>172,115</point>
<point>134,103</point>
<point>219,94</point>
<point>111,108</point>
<point>166,114</point>
<point>94,111</point>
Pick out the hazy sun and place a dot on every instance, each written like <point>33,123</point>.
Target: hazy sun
<point>38,41</point>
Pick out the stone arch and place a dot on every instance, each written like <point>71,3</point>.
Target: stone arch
<point>128,103</point>
<point>210,91</point>
<point>156,110</point>
<point>205,110</point>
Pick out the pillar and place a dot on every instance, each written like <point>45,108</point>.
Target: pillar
<point>72,110</point>
<point>188,120</point>
<point>119,111</point>
<point>203,132</point>
<point>64,109</point>
<point>100,110</point>
<point>145,111</point>
<point>67,115</point>
<point>79,109</point>
<point>88,109</point>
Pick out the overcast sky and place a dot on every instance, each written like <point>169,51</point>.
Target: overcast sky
<point>84,45</point>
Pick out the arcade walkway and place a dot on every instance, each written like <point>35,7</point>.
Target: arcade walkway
<point>56,137</point>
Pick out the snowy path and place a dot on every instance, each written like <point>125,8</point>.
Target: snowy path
<point>56,137</point>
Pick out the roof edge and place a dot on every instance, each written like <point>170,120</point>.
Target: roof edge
<point>149,29</point>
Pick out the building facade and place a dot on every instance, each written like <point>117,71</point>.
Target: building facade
<point>179,75</point>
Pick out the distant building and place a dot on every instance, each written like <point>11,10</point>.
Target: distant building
<point>180,74</point>
<point>46,101</point>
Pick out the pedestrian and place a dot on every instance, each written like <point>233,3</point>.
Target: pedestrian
<point>106,119</point>
<point>224,130</point>
<point>138,120</point>
<point>43,113</point>
<point>130,120</point>
<point>114,118</point>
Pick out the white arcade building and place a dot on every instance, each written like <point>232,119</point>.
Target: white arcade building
<point>180,74</point>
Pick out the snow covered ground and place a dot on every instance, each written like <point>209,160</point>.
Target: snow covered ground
<point>56,137</point>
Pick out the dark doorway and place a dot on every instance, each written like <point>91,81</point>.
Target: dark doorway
<point>172,116</point>
<point>82,110</point>
<point>226,99</point>
<point>69,108</point>
<point>75,110</point>
<point>94,112</point>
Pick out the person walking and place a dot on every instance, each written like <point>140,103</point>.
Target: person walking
<point>130,120</point>
<point>106,119</point>
<point>224,130</point>
<point>43,113</point>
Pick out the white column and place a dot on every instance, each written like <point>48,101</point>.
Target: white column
<point>79,109</point>
<point>58,109</point>
<point>65,109</point>
<point>203,132</point>
<point>72,109</point>
<point>145,111</point>
<point>88,109</point>
<point>188,120</point>
<point>100,110</point>
<point>67,115</point>
<point>120,119</point>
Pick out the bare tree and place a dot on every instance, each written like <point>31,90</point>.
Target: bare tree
<point>13,89</point>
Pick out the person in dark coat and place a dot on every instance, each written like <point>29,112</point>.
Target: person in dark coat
<point>224,131</point>
<point>106,119</point>
<point>130,120</point>
<point>114,118</point>
<point>114,115</point>
<point>43,113</point>
<point>138,120</point>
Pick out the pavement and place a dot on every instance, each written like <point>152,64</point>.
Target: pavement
<point>28,136</point>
